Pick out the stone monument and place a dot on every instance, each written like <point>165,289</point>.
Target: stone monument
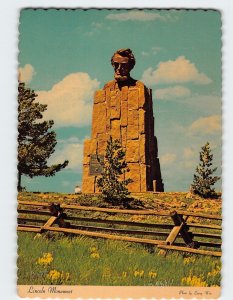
<point>123,109</point>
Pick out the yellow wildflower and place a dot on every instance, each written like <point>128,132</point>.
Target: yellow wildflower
<point>37,236</point>
<point>93,249</point>
<point>139,273</point>
<point>124,274</point>
<point>66,276</point>
<point>193,281</point>
<point>136,273</point>
<point>94,252</point>
<point>214,272</point>
<point>215,263</point>
<point>189,260</point>
<point>95,255</point>
<point>162,252</point>
<point>54,275</point>
<point>152,274</point>
<point>45,260</point>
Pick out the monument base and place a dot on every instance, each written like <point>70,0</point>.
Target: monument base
<point>126,114</point>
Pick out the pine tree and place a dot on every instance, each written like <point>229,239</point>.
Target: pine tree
<point>36,142</point>
<point>112,187</point>
<point>203,179</point>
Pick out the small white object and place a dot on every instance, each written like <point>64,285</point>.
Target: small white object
<point>77,190</point>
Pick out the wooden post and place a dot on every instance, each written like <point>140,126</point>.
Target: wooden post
<point>181,228</point>
<point>176,229</point>
<point>154,185</point>
<point>49,223</point>
<point>57,211</point>
<point>177,219</point>
<point>186,249</point>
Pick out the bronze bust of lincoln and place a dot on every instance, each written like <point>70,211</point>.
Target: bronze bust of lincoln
<point>123,62</point>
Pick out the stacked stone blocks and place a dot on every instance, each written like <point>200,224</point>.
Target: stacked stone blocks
<point>125,114</point>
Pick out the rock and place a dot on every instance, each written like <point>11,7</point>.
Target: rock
<point>99,119</point>
<point>132,151</point>
<point>88,181</point>
<point>99,96</point>
<point>124,113</point>
<point>190,195</point>
<point>124,93</point>
<point>115,107</point>
<point>133,96</point>
<point>134,174</point>
<point>195,204</point>
<point>132,128</point>
<point>142,148</point>
<point>142,96</point>
<point>116,129</point>
<point>142,121</point>
<point>143,170</point>
<point>132,132</point>
<point>123,136</point>
<point>102,139</point>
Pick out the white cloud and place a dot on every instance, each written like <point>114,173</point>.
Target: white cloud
<point>144,53</point>
<point>172,92</point>
<point>202,103</point>
<point>70,101</point>
<point>97,24</point>
<point>26,73</point>
<point>180,70</point>
<point>152,51</point>
<point>167,158</point>
<point>189,164</point>
<point>190,157</point>
<point>206,125</point>
<point>70,149</point>
<point>96,28</point>
<point>137,15</point>
<point>70,140</point>
<point>156,50</point>
<point>189,152</point>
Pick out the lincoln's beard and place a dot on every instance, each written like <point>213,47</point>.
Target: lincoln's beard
<point>121,77</point>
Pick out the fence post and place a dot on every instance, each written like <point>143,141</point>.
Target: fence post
<point>181,228</point>
<point>57,211</point>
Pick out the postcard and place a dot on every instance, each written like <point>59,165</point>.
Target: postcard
<point>119,153</point>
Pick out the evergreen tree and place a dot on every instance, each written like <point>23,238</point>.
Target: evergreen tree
<point>36,142</point>
<point>112,187</point>
<point>203,179</point>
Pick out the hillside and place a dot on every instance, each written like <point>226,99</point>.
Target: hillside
<point>166,201</point>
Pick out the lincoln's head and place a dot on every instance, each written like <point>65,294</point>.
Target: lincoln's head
<point>123,62</point>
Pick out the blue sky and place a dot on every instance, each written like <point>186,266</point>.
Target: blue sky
<point>65,57</point>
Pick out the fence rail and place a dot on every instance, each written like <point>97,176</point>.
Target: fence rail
<point>167,235</point>
<point>122,211</point>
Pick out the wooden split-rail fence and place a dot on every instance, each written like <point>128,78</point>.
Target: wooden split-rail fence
<point>202,235</point>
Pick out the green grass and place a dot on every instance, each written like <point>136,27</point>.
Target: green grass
<point>113,263</point>
<point>162,201</point>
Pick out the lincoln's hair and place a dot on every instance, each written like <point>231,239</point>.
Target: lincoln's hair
<point>125,53</point>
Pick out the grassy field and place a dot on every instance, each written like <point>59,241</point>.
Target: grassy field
<point>83,261</point>
<point>159,201</point>
<point>59,259</point>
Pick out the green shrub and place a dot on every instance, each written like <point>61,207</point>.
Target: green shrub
<point>113,188</point>
<point>203,179</point>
